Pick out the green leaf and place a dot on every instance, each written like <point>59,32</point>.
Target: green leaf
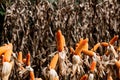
<point>2,13</point>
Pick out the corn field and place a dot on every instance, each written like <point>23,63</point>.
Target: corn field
<point>31,26</point>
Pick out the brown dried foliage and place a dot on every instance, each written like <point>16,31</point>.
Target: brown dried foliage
<point>32,26</point>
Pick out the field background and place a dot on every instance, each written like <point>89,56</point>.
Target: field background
<point>31,25</point>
